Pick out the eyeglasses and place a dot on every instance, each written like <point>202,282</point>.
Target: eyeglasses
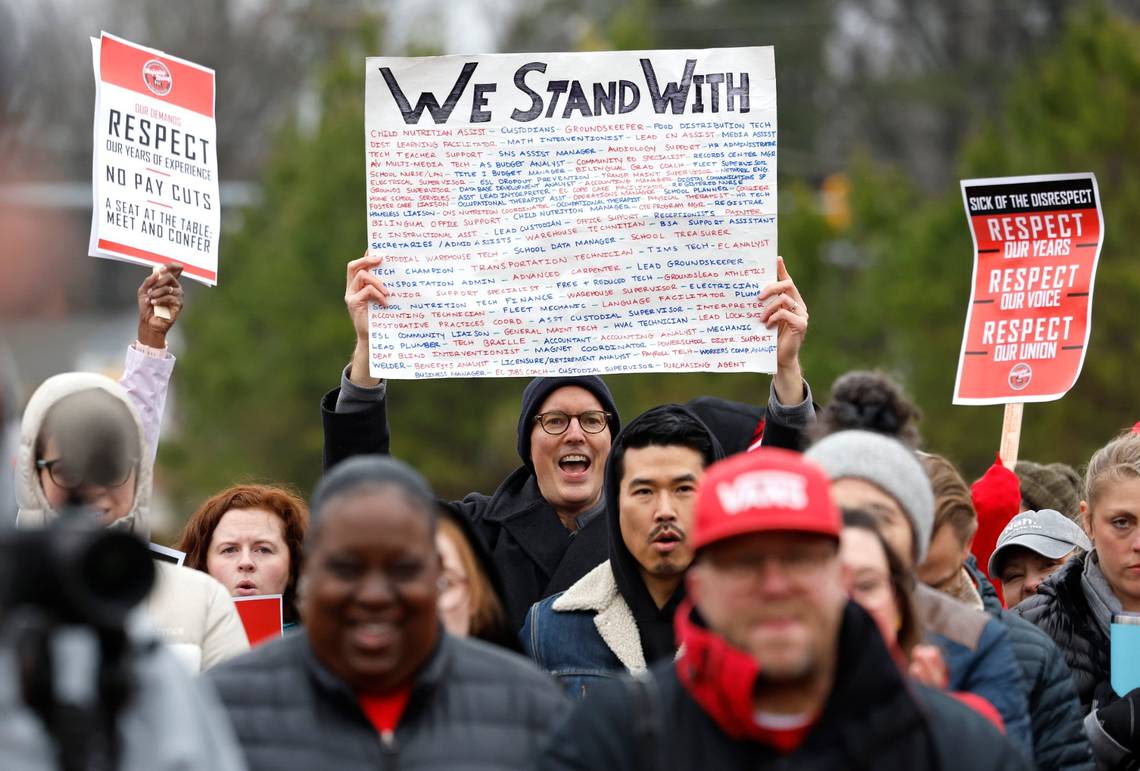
<point>72,479</point>
<point>556,422</point>
<point>799,565</point>
<point>452,590</point>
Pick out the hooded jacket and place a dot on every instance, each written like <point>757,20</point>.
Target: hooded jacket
<point>607,623</point>
<point>697,712</point>
<point>654,625</point>
<point>9,437</point>
<point>191,611</point>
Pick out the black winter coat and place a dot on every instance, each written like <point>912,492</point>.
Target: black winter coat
<point>1062,612</point>
<point>473,706</point>
<point>874,719</point>
<point>1059,740</point>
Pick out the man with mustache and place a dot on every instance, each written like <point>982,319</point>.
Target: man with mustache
<point>619,616</point>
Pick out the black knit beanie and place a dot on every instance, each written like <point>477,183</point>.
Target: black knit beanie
<point>541,387</point>
<point>734,424</point>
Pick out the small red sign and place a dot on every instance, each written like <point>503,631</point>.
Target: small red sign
<point>261,616</point>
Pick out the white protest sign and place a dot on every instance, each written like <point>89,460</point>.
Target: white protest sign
<point>155,166</point>
<point>555,214</point>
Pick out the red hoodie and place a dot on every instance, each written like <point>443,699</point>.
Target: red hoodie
<point>997,500</point>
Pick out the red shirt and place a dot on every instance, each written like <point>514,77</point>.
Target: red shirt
<point>721,679</point>
<point>385,711</point>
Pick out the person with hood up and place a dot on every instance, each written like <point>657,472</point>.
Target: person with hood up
<point>619,616</point>
<point>778,669</point>
<point>146,376</point>
<point>62,704</point>
<point>541,524</point>
<point>192,611</point>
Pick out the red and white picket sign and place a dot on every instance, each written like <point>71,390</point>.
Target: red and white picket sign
<point>1037,241</point>
<point>155,166</point>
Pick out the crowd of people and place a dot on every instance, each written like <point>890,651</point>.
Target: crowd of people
<point>707,585</point>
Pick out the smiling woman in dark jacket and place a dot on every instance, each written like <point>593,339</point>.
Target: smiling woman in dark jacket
<point>373,681</point>
<point>1076,605</point>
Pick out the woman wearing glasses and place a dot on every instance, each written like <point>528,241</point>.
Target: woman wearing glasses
<point>470,590</point>
<point>83,450</point>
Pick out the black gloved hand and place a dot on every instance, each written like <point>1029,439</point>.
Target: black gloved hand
<point>1120,717</point>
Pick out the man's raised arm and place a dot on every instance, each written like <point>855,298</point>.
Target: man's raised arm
<point>355,415</point>
<point>790,411</point>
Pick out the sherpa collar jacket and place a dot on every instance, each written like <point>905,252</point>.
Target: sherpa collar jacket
<point>584,635</point>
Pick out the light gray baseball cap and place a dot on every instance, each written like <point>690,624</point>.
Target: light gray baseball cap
<point>1046,532</point>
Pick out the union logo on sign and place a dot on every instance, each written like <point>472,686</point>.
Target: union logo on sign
<point>1020,376</point>
<point>157,78</point>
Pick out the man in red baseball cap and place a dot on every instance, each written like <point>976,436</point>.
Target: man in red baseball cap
<point>777,668</point>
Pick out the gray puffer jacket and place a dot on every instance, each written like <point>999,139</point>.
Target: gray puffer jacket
<point>473,706</point>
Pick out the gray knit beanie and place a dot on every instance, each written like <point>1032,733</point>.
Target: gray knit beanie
<point>890,466</point>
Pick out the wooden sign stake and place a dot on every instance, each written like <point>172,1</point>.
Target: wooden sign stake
<point>1011,433</point>
<point>160,310</point>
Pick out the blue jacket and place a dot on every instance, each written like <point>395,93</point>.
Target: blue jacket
<point>1059,740</point>
<point>980,658</point>
<point>585,635</point>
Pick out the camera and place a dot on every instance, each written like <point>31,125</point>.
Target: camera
<point>74,572</point>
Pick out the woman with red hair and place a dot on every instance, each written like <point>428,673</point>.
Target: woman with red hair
<point>249,537</point>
